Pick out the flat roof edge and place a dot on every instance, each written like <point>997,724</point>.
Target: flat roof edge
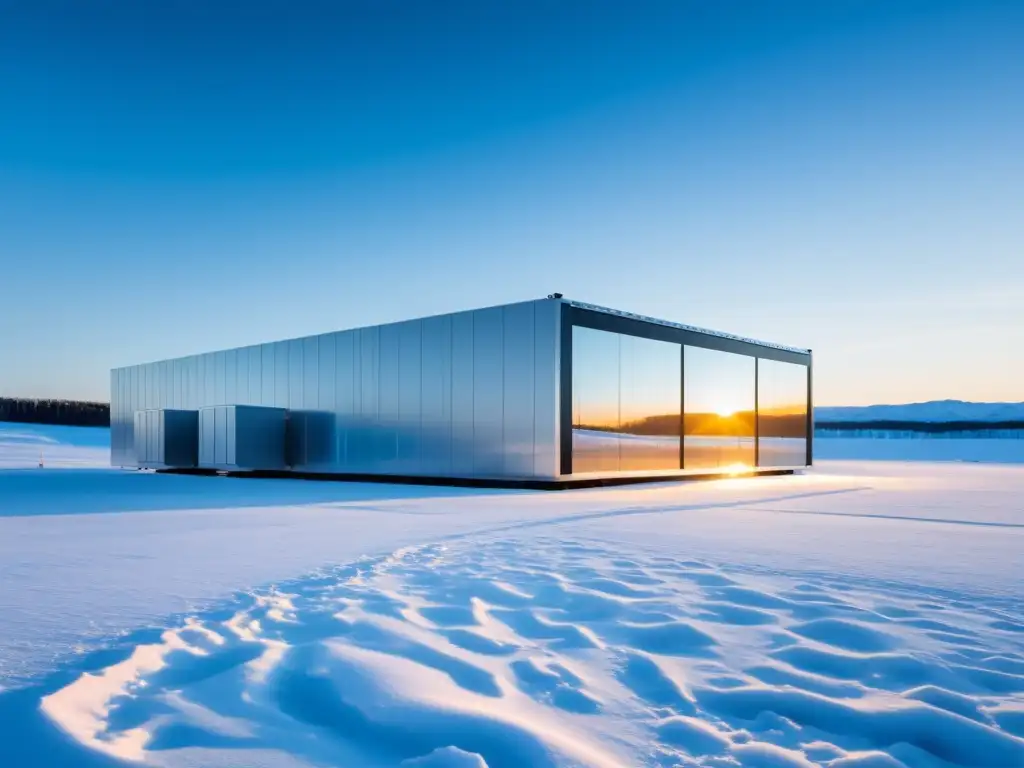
<point>683,326</point>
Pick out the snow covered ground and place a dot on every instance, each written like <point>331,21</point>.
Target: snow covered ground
<point>26,445</point>
<point>867,614</point>
<point>927,448</point>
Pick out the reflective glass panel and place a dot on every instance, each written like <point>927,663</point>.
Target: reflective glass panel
<point>595,401</point>
<point>626,402</point>
<point>782,414</point>
<point>649,423</point>
<point>719,409</point>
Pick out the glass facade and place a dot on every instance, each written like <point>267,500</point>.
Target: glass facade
<point>641,404</point>
<point>626,402</point>
<point>781,414</point>
<point>719,404</point>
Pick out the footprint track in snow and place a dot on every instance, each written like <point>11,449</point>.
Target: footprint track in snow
<point>502,653</point>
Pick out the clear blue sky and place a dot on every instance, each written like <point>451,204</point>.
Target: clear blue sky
<point>847,176</point>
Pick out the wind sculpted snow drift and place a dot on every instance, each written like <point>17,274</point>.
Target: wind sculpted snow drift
<point>558,651</point>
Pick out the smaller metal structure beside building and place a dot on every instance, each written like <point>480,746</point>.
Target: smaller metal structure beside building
<point>548,393</point>
<point>242,437</point>
<point>166,438</point>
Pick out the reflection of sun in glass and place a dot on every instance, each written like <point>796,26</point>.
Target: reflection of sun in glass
<point>738,468</point>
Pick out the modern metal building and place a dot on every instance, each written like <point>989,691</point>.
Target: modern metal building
<point>544,393</point>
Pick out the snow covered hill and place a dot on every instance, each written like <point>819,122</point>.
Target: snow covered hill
<point>936,411</point>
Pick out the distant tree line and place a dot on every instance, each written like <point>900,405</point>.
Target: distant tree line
<point>76,413</point>
<point>89,414</point>
<point>931,427</point>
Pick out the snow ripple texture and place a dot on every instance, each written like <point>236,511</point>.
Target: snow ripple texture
<point>550,652</point>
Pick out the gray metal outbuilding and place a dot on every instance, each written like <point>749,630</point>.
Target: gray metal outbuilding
<point>545,392</point>
<point>242,437</point>
<point>166,437</point>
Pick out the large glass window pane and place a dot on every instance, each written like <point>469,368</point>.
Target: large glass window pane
<point>595,401</point>
<point>649,423</point>
<point>719,409</point>
<point>781,414</point>
<point>626,402</point>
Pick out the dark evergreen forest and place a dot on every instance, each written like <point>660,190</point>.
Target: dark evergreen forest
<point>74,413</point>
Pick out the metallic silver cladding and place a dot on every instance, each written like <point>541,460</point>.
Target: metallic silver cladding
<point>118,426</point>
<point>220,427</point>
<point>366,443</point>
<point>344,390</point>
<point>296,373</point>
<point>409,437</point>
<point>280,375</point>
<point>488,393</point>
<point>165,437</point>
<point>436,395</point>
<point>241,437</point>
<point>471,394</point>
<point>462,394</point>
<point>547,334</point>
<point>388,421</point>
<point>116,401</point>
<point>207,438</point>
<point>518,339</point>
<point>141,436</point>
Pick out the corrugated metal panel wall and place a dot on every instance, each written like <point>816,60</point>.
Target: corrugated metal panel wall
<point>472,394</point>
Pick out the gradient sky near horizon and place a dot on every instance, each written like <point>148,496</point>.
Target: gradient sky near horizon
<point>188,176</point>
